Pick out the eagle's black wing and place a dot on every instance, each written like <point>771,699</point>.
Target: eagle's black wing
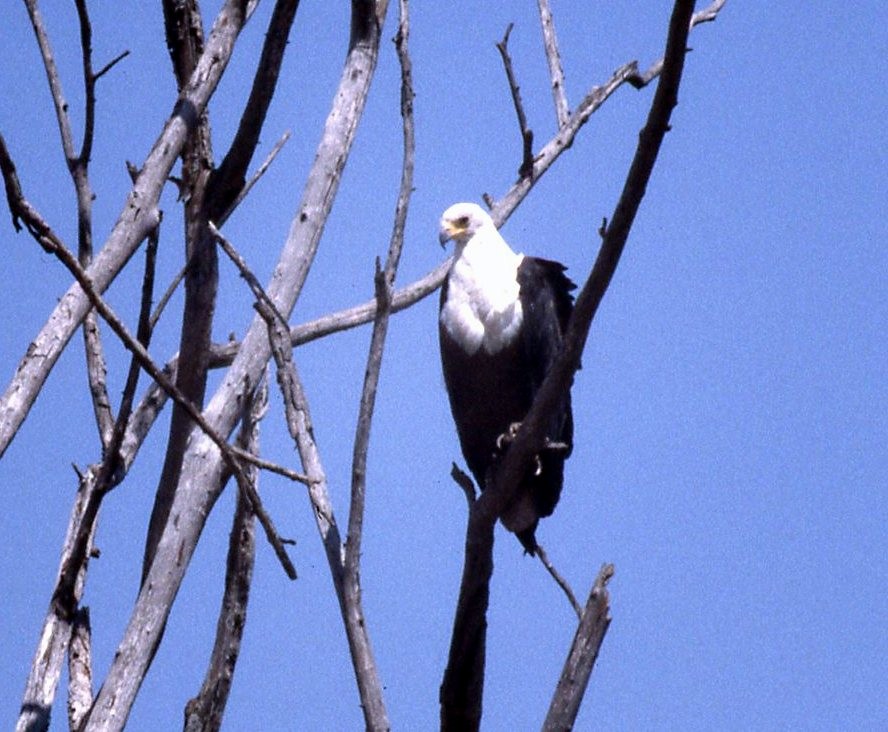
<point>547,303</point>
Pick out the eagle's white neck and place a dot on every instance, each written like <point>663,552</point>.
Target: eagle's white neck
<point>482,310</point>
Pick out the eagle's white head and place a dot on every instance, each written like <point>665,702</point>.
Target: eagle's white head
<point>462,221</point>
<point>482,308</point>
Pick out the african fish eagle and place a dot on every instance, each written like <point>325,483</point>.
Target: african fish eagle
<point>501,324</point>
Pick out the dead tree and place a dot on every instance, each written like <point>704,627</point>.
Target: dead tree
<point>201,458</point>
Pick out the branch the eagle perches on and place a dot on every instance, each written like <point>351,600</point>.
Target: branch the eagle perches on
<point>199,64</point>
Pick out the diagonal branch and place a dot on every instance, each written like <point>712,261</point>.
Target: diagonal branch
<point>707,15</point>
<point>183,27</point>
<point>553,57</point>
<point>227,181</point>
<point>139,216</point>
<point>583,653</point>
<point>526,168</point>
<point>204,712</point>
<point>203,465</point>
<point>300,427</point>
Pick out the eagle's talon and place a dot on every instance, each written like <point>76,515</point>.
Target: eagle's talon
<point>556,446</point>
<point>508,436</point>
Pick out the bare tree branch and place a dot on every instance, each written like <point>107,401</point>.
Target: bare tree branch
<point>79,668</point>
<point>553,57</point>
<point>300,427</point>
<point>185,42</point>
<point>526,168</point>
<point>708,14</point>
<point>46,667</point>
<point>78,168</point>
<point>559,580</point>
<point>139,216</point>
<point>260,171</point>
<point>227,181</point>
<point>204,712</point>
<point>202,469</point>
<point>384,281</point>
<point>583,653</point>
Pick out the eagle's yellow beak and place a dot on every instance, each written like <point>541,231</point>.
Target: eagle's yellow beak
<point>449,230</point>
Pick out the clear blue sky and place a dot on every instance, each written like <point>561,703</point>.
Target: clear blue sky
<point>732,437</point>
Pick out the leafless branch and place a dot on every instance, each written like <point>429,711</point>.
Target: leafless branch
<point>526,168</point>
<point>300,427</point>
<point>248,186</point>
<point>708,14</point>
<point>384,281</point>
<point>96,370</point>
<point>464,482</point>
<point>204,712</point>
<point>227,182</point>
<point>78,168</point>
<point>203,466</point>
<point>46,667</point>
<point>245,272</point>
<point>463,680</point>
<point>79,668</point>
<point>553,57</point>
<point>167,295</point>
<point>559,580</point>
<point>55,82</point>
<point>183,28</point>
<point>571,688</point>
<point>139,216</point>
<point>110,65</point>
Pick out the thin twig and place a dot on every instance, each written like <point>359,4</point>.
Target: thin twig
<point>245,272</point>
<point>110,65</point>
<point>260,171</point>
<point>559,580</point>
<point>167,295</point>
<point>553,57</point>
<point>464,482</point>
<point>526,169</point>
<point>708,14</point>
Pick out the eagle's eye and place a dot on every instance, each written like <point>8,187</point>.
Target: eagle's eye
<point>462,222</point>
